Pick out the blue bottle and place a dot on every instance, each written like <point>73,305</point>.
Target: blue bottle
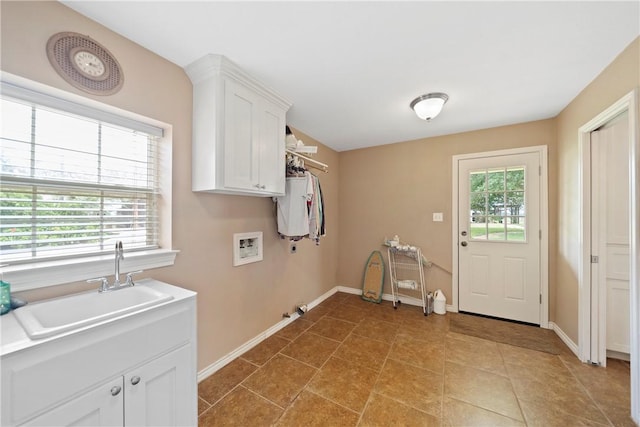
<point>5,297</point>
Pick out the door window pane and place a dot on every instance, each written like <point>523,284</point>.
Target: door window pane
<point>478,207</point>
<point>516,229</point>
<point>515,179</point>
<point>496,228</point>
<point>497,204</point>
<point>495,180</point>
<point>478,181</point>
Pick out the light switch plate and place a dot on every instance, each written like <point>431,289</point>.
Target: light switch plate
<point>438,217</point>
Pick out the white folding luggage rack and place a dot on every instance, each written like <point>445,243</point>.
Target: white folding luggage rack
<point>407,275</point>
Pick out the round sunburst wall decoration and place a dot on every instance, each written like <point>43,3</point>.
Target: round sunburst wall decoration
<point>84,63</point>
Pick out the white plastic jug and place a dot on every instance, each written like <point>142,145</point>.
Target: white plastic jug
<point>439,302</point>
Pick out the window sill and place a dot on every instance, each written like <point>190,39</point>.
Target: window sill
<point>42,274</point>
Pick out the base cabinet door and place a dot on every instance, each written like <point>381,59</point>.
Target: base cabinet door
<point>101,406</point>
<point>159,392</point>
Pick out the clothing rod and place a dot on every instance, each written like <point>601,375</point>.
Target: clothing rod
<point>320,165</point>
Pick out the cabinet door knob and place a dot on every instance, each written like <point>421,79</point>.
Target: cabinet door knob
<point>263,186</point>
<point>115,390</point>
<point>257,185</point>
<point>135,380</point>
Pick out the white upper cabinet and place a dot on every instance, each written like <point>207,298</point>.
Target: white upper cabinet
<point>238,131</point>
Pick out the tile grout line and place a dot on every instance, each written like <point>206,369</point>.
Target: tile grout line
<point>246,378</point>
<point>513,388</point>
<point>326,361</point>
<point>384,363</point>
<point>307,364</point>
<point>586,390</point>
<point>444,369</point>
<point>497,344</point>
<point>401,322</point>
<point>562,411</point>
<point>389,357</point>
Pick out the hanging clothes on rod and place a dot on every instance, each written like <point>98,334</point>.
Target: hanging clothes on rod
<point>301,211</point>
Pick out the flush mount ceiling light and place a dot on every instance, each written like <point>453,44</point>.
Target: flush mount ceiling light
<point>430,105</point>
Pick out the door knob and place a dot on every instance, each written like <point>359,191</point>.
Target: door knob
<point>463,243</point>
<point>135,380</point>
<point>115,390</point>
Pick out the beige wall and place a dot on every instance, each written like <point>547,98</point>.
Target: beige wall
<point>382,191</point>
<point>394,189</point>
<point>234,304</point>
<point>618,79</point>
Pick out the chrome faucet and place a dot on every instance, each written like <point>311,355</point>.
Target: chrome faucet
<point>119,257</point>
<point>104,283</point>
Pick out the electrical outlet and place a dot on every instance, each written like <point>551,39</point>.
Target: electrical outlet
<point>438,217</point>
<point>293,248</point>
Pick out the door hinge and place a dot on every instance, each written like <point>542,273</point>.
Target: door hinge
<point>539,234</point>
<point>540,298</point>
<point>595,259</point>
<point>539,170</point>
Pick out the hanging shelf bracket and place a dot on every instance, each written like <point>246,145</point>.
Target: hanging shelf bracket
<point>319,165</point>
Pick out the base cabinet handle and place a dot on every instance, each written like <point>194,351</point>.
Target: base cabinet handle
<point>135,380</point>
<point>115,390</point>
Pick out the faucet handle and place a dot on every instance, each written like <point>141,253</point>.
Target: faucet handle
<point>104,283</point>
<point>130,277</point>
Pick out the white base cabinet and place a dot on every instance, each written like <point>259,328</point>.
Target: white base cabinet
<point>153,393</point>
<point>139,370</point>
<point>239,125</point>
<point>101,406</point>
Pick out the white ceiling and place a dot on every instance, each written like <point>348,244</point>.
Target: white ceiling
<point>352,68</point>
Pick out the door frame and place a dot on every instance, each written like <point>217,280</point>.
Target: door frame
<point>629,103</point>
<point>541,150</point>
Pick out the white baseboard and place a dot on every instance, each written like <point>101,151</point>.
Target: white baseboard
<point>388,297</point>
<point>565,338</point>
<point>229,357</point>
<point>348,290</point>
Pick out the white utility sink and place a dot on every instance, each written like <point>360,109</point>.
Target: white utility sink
<point>52,317</point>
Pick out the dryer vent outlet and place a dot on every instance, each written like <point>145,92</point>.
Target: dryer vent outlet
<point>293,248</point>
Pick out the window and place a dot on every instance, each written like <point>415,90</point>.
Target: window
<point>497,204</point>
<point>74,180</point>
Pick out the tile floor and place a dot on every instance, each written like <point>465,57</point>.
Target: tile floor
<point>349,362</point>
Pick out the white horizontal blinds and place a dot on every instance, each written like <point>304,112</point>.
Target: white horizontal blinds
<point>73,185</point>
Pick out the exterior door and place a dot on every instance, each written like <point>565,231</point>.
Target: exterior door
<point>499,235</point>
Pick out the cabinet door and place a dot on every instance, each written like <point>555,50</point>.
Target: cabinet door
<point>102,406</point>
<point>271,121</point>
<point>241,156</point>
<point>162,392</point>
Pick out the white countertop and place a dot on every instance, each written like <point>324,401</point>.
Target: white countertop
<point>13,338</point>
